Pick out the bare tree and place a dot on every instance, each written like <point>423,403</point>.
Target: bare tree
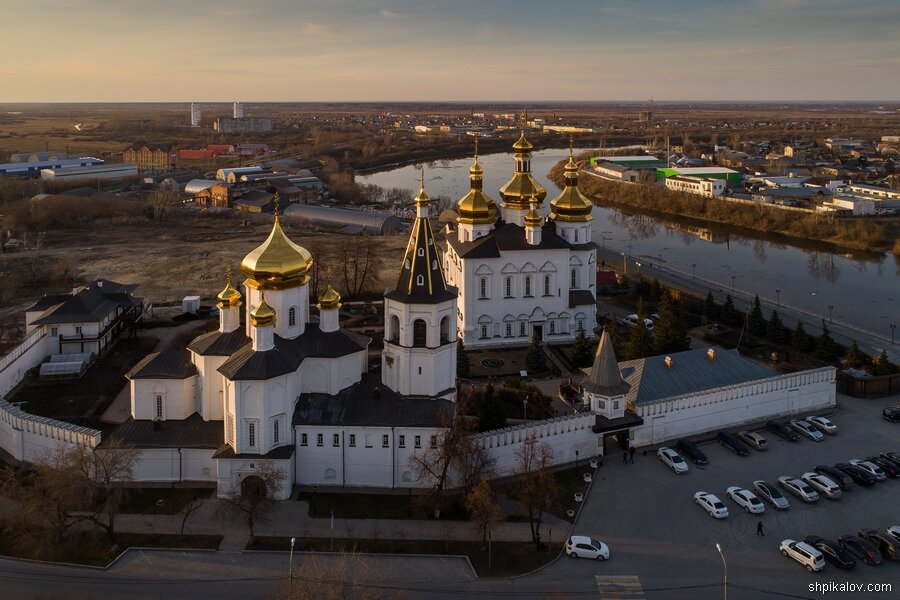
<point>344,576</point>
<point>537,486</point>
<point>483,508</point>
<point>255,498</point>
<point>188,509</point>
<point>360,263</point>
<point>163,201</point>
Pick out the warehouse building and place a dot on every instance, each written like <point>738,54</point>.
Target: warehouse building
<point>729,175</point>
<point>35,167</point>
<point>114,171</point>
<point>349,221</point>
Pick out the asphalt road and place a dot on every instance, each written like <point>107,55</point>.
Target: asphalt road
<point>661,542</point>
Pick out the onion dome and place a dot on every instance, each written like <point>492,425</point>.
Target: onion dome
<point>263,315</point>
<point>330,299</point>
<point>229,297</point>
<point>571,205</point>
<point>422,198</point>
<point>278,262</point>
<point>522,145</point>
<point>533,217</point>
<point>517,192</point>
<point>476,208</point>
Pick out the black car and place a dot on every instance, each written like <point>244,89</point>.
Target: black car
<point>783,430</point>
<point>891,456</point>
<point>885,544</point>
<point>690,449</point>
<point>832,551</point>
<point>733,443</point>
<point>891,413</point>
<point>890,469</point>
<point>859,475</point>
<point>836,475</point>
<point>863,549</point>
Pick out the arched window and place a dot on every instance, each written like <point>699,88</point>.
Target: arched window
<point>420,333</point>
<point>445,330</point>
<point>434,265</point>
<point>482,288</point>
<point>574,284</point>
<point>421,251</point>
<point>484,331</point>
<point>395,329</point>
<point>420,280</point>
<point>509,287</point>
<point>528,286</point>
<point>576,235</point>
<point>546,285</point>
<point>292,316</point>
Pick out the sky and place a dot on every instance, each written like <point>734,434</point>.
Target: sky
<point>451,50</point>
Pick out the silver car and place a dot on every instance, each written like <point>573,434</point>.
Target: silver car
<point>822,484</point>
<point>804,428</point>
<point>798,488</point>
<point>771,495</point>
<point>672,459</point>
<point>753,439</point>
<point>876,471</point>
<point>822,424</point>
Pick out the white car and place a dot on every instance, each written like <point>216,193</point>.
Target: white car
<point>804,554</point>
<point>672,459</point>
<point>746,499</point>
<point>632,321</point>
<point>822,484</point>
<point>871,467</point>
<point>804,428</point>
<point>823,424</point>
<point>894,532</point>
<point>582,546</point>
<point>711,504</point>
<point>798,488</point>
<point>753,439</point>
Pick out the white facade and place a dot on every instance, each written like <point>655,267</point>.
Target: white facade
<point>195,114</point>
<point>238,110</point>
<point>708,188</point>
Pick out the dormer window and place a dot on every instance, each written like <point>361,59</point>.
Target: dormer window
<point>420,280</point>
<point>421,251</point>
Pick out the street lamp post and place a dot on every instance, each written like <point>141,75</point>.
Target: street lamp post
<point>624,265</point>
<point>525,408</point>
<point>719,548</point>
<point>893,327</point>
<point>291,569</point>
<point>732,283</point>
<point>830,308</point>
<point>777,297</point>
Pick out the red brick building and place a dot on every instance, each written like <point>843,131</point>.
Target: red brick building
<point>151,157</point>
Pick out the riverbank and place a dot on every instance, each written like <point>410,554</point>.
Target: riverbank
<point>870,234</point>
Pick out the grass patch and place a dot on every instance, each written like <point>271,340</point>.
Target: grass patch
<point>506,558</point>
<point>161,501</point>
<point>92,547</point>
<point>379,506</point>
<point>570,480</point>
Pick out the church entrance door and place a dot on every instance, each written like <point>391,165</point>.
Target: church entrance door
<point>538,331</point>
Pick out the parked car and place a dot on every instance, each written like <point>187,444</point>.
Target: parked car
<point>711,504</point>
<point>733,443</point>
<point>783,430</point>
<point>822,424</point>
<point>858,475</point>
<point>746,499</point>
<point>861,548</point>
<point>803,553</point>
<point>754,440</point>
<point>891,414</point>
<point>632,321</point>
<point>894,532</point>
<point>690,449</point>
<point>798,488</point>
<point>672,459</point>
<point>890,469</point>
<point>771,495</point>
<point>836,475</point>
<point>886,544</point>
<point>822,484</point>
<point>872,468</point>
<point>807,430</point>
<point>582,546</point>
<point>832,551</point>
<point>894,457</point>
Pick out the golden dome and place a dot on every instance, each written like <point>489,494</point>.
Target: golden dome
<point>518,191</point>
<point>476,208</point>
<point>522,145</point>
<point>533,218</point>
<point>422,198</point>
<point>229,296</point>
<point>263,315</point>
<point>330,299</point>
<point>571,205</point>
<point>278,262</point>
<point>476,169</point>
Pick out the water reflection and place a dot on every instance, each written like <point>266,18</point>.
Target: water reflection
<point>822,266</point>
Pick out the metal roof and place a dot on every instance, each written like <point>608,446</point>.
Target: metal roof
<point>374,222</point>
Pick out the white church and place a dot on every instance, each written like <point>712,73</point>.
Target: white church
<point>524,270</point>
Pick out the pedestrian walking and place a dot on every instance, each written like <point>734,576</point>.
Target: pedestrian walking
<point>625,456</point>
<point>759,528</point>
<point>631,454</point>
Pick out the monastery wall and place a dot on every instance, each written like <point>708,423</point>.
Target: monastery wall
<point>170,464</point>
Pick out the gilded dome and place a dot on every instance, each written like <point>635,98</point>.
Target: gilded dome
<point>476,208</point>
<point>330,299</point>
<point>533,217</point>
<point>229,296</point>
<point>278,262</point>
<point>518,191</point>
<point>522,145</point>
<point>263,315</point>
<point>571,205</point>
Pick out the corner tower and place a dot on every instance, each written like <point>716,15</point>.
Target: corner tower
<point>419,356</point>
<point>279,268</point>
<point>517,192</point>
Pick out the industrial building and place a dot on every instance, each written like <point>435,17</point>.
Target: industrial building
<point>628,161</point>
<point>731,176</point>
<point>243,125</point>
<point>115,171</point>
<point>350,221</point>
<point>35,167</point>
<point>37,156</point>
<point>709,188</point>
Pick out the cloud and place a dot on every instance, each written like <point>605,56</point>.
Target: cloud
<point>390,14</point>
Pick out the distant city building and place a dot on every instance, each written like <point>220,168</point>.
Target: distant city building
<point>243,125</point>
<point>35,168</point>
<point>113,171</point>
<point>37,156</point>
<point>708,188</point>
<point>645,116</point>
<point>238,110</point>
<point>151,157</point>
<point>728,175</point>
<point>195,115</point>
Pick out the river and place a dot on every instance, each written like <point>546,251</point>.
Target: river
<point>859,289</point>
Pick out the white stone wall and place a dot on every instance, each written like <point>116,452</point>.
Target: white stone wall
<point>179,398</point>
<point>24,436</point>
<point>211,386</point>
<point>261,403</point>
<point>731,406</point>
<point>168,464</point>
<point>28,354</point>
<point>281,301</point>
<point>231,472</point>
<point>331,375</point>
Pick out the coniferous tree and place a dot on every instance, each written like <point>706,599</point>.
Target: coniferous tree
<point>775,329</point>
<point>612,330</point>
<point>490,411</point>
<point>581,350</point>
<point>756,321</point>
<point>710,309</point>
<point>853,359</point>
<point>800,340</point>
<point>669,331</point>
<point>463,366</point>
<point>730,315</point>
<point>825,346</point>
<point>882,365</point>
<point>640,344</point>
<point>656,291</point>
<point>535,360</point>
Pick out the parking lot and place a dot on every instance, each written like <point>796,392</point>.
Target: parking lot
<point>647,515</point>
